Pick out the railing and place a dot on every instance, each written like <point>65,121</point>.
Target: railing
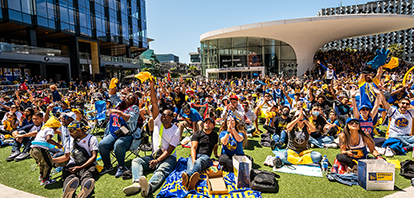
<point>25,49</point>
<point>119,59</point>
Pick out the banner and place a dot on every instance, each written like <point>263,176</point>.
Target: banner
<point>173,186</point>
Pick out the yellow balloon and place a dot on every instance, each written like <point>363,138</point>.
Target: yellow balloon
<point>406,75</point>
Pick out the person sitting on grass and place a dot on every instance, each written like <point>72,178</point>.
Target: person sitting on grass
<point>353,142</point>
<point>191,119</point>
<point>299,131</point>
<point>233,138</point>
<point>81,167</point>
<point>203,142</point>
<point>25,136</point>
<point>165,138</point>
<point>10,124</point>
<point>40,151</point>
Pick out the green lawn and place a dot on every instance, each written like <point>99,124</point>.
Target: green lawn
<point>19,175</point>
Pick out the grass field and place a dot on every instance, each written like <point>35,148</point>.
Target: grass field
<point>19,175</point>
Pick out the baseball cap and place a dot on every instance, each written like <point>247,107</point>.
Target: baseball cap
<point>211,120</point>
<point>351,119</point>
<point>363,106</point>
<point>234,97</point>
<point>70,115</point>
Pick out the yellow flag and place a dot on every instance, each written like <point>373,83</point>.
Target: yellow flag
<point>113,83</point>
<point>143,76</point>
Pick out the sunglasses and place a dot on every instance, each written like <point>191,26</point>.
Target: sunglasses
<point>364,109</point>
<point>405,103</point>
<point>165,114</point>
<point>354,122</point>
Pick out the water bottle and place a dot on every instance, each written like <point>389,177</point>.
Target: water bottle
<point>278,162</point>
<point>325,163</point>
<point>335,168</point>
<point>56,170</point>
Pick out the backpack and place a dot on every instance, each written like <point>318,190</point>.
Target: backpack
<point>79,154</point>
<point>407,169</point>
<point>264,181</point>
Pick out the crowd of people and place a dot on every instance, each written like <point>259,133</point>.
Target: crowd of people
<point>338,103</point>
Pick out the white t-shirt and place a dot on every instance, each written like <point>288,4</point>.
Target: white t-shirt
<point>400,123</point>
<point>268,105</point>
<point>89,143</point>
<point>18,116</point>
<point>41,136</point>
<point>170,136</point>
<point>250,114</point>
<point>65,138</point>
<point>329,73</point>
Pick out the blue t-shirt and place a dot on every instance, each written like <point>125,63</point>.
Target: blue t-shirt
<point>56,96</point>
<point>194,115</point>
<point>232,147</point>
<point>368,125</point>
<point>115,123</point>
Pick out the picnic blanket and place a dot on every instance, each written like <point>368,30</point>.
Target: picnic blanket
<point>313,170</point>
<point>173,185</point>
<point>307,170</point>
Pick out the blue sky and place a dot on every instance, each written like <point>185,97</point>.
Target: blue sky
<point>176,25</point>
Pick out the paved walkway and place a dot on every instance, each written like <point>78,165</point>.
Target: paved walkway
<point>7,192</point>
<point>405,193</point>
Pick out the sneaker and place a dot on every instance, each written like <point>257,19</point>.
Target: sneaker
<point>70,188</point>
<point>408,148</point>
<point>145,187</point>
<point>333,145</point>
<point>106,170</point>
<point>47,182</point>
<point>193,181</point>
<point>380,150</point>
<point>271,161</point>
<point>132,189</point>
<point>273,144</point>
<point>22,156</point>
<point>389,152</point>
<point>185,179</point>
<point>120,171</point>
<point>279,144</point>
<point>13,155</point>
<point>86,188</point>
<point>40,178</point>
<point>249,135</point>
<point>266,162</point>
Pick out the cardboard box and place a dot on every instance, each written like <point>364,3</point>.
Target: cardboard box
<point>376,174</point>
<point>242,167</point>
<point>216,184</point>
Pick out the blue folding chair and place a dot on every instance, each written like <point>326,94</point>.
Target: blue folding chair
<point>99,118</point>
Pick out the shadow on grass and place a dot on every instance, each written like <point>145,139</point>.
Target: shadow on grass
<point>253,144</point>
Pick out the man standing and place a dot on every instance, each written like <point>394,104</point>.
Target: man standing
<point>166,137</point>
<point>203,143</point>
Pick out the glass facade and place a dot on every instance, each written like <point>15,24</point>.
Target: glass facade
<point>118,21</point>
<point>276,56</point>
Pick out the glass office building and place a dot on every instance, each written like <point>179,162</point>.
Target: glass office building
<point>72,38</point>
<point>238,56</point>
<point>403,37</point>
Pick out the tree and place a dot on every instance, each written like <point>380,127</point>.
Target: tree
<point>396,50</point>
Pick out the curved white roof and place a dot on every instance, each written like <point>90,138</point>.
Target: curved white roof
<point>307,35</point>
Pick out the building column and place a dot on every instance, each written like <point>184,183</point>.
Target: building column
<point>31,37</point>
<point>75,70</point>
<point>128,51</point>
<point>95,58</point>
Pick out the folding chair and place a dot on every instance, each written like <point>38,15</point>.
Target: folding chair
<point>100,118</point>
<point>138,144</point>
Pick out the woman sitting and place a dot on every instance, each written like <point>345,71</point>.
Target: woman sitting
<point>27,118</point>
<point>124,115</point>
<point>354,142</point>
<point>234,138</point>
<point>299,131</point>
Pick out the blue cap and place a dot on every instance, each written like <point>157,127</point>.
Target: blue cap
<point>351,119</point>
<point>363,106</point>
